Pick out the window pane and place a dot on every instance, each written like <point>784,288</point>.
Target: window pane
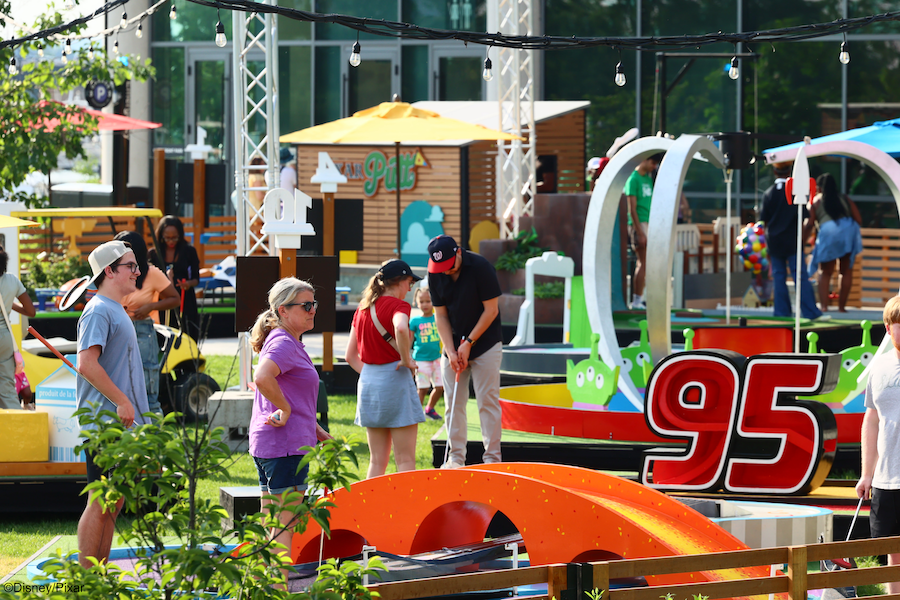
<point>373,9</point>
<point>328,84</point>
<point>168,96</point>
<point>772,14</point>
<point>862,8</point>
<point>209,99</point>
<point>460,78</point>
<point>291,29</point>
<point>467,15</point>
<point>195,23</point>
<point>294,84</point>
<point>369,84</point>
<point>688,17</point>
<point>415,75</point>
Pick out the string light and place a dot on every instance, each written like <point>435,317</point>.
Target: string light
<point>116,45</point>
<point>733,70</point>
<point>13,69</point>
<point>124,22</point>
<point>68,48</point>
<point>64,58</point>
<point>139,32</point>
<point>221,40</point>
<point>91,52</point>
<point>620,74</point>
<point>355,58</point>
<point>172,13</point>
<point>844,56</point>
<point>41,50</point>
<point>487,74</point>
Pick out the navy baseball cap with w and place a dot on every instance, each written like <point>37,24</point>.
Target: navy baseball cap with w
<point>441,253</point>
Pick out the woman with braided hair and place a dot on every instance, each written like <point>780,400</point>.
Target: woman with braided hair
<point>387,401</point>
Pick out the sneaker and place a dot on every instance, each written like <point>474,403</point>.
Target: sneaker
<point>433,414</point>
<point>638,305</point>
<point>451,464</point>
<point>822,317</point>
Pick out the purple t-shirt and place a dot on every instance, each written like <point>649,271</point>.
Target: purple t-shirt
<point>299,383</point>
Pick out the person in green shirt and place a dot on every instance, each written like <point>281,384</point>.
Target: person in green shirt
<point>639,192</point>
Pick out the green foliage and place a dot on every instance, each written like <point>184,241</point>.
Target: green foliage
<point>26,143</point>
<point>53,271</point>
<point>550,289</point>
<point>166,503</point>
<point>526,247</point>
<point>594,594</point>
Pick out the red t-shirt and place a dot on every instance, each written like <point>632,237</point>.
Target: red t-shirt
<point>373,349</point>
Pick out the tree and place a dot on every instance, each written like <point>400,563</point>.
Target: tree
<point>27,144</point>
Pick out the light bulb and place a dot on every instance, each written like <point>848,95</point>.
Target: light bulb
<point>620,76</point>
<point>733,71</point>
<point>68,49</point>
<point>172,14</point>
<point>68,5</point>
<point>41,50</point>
<point>116,47</point>
<point>139,32</point>
<point>844,56</point>
<point>221,40</point>
<point>487,74</point>
<point>64,58</point>
<point>91,52</point>
<point>355,58</point>
<point>124,22</point>
<point>13,69</point>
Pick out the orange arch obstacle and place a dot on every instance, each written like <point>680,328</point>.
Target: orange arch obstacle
<point>564,514</point>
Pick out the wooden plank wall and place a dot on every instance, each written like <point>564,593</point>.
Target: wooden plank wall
<point>482,184</point>
<point>564,137</point>
<point>438,184</point>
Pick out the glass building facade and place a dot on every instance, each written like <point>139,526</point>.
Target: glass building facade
<point>785,91</point>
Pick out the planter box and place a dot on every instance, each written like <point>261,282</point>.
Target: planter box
<point>547,311</point>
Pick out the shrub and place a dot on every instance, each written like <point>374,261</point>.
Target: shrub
<point>526,247</point>
<point>552,289</point>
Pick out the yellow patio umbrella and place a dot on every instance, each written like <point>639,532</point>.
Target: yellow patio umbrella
<point>397,122</point>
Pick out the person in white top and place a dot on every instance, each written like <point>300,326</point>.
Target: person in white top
<point>14,297</point>
<point>288,172</point>
<point>880,477</point>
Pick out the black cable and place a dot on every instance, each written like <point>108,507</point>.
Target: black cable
<point>396,29</point>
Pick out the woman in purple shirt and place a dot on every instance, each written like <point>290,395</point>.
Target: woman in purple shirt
<point>287,385</point>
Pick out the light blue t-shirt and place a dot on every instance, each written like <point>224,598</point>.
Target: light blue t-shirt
<point>883,394</point>
<point>105,323</point>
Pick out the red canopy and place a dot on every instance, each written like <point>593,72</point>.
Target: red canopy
<point>106,121</point>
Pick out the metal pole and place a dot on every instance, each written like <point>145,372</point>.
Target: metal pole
<point>797,284</point>
<point>728,179</point>
<point>397,169</point>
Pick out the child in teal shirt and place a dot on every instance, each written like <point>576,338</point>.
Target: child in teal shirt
<point>427,353</point>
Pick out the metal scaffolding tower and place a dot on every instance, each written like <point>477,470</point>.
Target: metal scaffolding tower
<point>516,160</point>
<point>256,130</point>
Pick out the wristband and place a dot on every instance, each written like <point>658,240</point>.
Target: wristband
<point>470,340</point>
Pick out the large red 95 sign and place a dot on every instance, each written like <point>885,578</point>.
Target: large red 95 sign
<point>745,429</point>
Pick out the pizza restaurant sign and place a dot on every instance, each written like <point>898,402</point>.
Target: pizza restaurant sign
<point>378,170</point>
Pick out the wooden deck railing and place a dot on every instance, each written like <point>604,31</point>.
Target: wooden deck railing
<point>565,581</point>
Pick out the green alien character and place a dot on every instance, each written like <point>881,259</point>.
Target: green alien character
<point>853,362</point>
<point>591,382</point>
<point>637,358</point>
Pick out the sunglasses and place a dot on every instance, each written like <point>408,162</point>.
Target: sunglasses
<point>132,266</point>
<point>307,306</point>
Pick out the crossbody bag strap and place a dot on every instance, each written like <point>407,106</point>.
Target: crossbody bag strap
<point>384,334</point>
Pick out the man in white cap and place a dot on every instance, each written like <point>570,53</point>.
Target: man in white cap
<point>110,359</point>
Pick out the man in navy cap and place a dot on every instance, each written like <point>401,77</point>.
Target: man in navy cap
<point>465,293</point>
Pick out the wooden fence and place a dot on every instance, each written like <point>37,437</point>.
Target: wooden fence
<point>216,241</point>
<point>573,580</point>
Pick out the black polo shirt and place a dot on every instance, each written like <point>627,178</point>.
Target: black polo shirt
<point>463,298</point>
<point>781,221</point>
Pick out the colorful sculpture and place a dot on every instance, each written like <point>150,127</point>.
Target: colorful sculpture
<point>591,383</point>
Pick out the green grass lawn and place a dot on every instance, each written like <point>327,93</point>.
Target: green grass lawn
<point>21,535</point>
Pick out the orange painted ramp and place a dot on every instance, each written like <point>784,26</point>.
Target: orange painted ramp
<point>564,514</point>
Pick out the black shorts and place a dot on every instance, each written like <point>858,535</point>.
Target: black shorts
<point>93,472</point>
<point>884,515</point>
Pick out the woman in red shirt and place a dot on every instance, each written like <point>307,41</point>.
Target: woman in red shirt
<point>387,402</point>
